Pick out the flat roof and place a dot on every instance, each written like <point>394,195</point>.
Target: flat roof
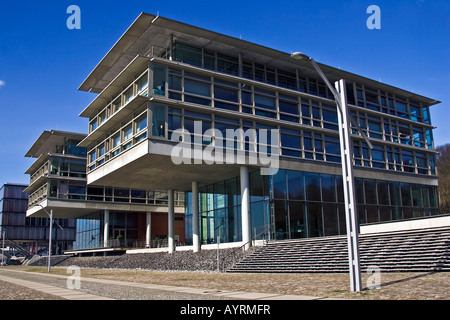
<point>150,32</point>
<point>49,139</point>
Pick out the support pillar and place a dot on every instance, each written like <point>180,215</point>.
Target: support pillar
<point>245,208</point>
<point>171,221</point>
<point>106,228</point>
<point>148,230</point>
<point>195,218</point>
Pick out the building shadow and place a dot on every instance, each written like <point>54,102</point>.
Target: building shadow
<point>407,279</point>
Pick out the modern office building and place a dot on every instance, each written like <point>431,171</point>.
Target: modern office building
<point>162,76</point>
<point>103,216</point>
<point>29,233</point>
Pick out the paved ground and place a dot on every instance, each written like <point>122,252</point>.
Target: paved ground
<point>393,286</point>
<point>44,286</point>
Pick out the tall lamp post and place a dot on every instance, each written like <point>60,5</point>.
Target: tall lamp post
<point>344,119</point>
<point>50,216</point>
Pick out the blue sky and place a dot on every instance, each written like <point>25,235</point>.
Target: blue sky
<point>42,62</point>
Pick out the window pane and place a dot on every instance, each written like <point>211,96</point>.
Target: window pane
<point>328,188</point>
<point>290,141</point>
<point>295,185</point>
<point>188,54</point>
<point>312,185</point>
<point>159,80</point>
<point>158,121</point>
<point>264,102</point>
<point>225,94</point>
<point>195,87</point>
<point>127,133</point>
<point>288,107</point>
<point>141,124</point>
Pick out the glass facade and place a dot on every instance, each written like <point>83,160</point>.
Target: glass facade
<point>123,230</point>
<point>18,227</point>
<point>226,91</point>
<point>296,204</point>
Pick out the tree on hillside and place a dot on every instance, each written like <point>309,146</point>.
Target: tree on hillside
<point>443,166</point>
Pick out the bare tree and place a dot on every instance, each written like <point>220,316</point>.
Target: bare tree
<point>443,165</point>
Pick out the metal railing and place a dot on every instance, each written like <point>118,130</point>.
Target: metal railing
<point>225,260</point>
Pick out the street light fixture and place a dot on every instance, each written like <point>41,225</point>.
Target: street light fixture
<point>344,118</point>
<point>50,215</point>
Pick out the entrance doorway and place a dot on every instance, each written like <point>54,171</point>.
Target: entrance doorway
<point>120,235</point>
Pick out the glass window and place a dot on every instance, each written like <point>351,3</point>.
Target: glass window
<point>332,148</point>
<point>401,106</point>
<point>290,141</point>
<point>225,94</point>
<point>383,193</point>
<point>158,121</point>
<point>288,107</point>
<point>128,94</point>
<point>127,133</point>
<point>328,188</point>
<point>196,87</point>
<point>264,102</point>
<point>279,185</point>
<point>159,80</point>
<point>142,84</point>
<point>329,116</point>
<point>115,140</point>
<point>101,151</point>
<point>209,60</point>
<point>227,64</point>
<point>94,124</point>
<point>116,105</point>
<point>295,185</point>
<point>406,194</point>
<point>92,156</point>
<point>377,155</point>
<point>188,54</point>
<point>141,124</point>
<point>101,117</point>
<point>312,186</point>
<point>370,191</point>
<point>287,80</point>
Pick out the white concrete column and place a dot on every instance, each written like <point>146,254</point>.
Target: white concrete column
<point>171,221</point>
<point>195,218</point>
<point>245,207</point>
<point>148,230</point>
<point>106,228</point>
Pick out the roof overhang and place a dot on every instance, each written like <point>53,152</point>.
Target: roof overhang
<point>115,86</point>
<point>149,34</point>
<point>49,139</point>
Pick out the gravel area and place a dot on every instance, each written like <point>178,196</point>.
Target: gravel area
<point>205,260</point>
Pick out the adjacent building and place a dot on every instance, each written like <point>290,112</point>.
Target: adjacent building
<point>167,94</point>
<point>103,216</point>
<point>30,234</point>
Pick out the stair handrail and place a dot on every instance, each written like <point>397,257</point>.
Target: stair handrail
<point>18,247</point>
<point>233,252</point>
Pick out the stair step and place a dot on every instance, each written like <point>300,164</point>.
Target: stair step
<point>413,251</point>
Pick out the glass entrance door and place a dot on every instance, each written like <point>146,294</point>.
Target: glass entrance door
<point>120,235</point>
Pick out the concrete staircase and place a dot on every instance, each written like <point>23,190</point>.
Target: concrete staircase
<point>412,251</point>
<point>42,261</point>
